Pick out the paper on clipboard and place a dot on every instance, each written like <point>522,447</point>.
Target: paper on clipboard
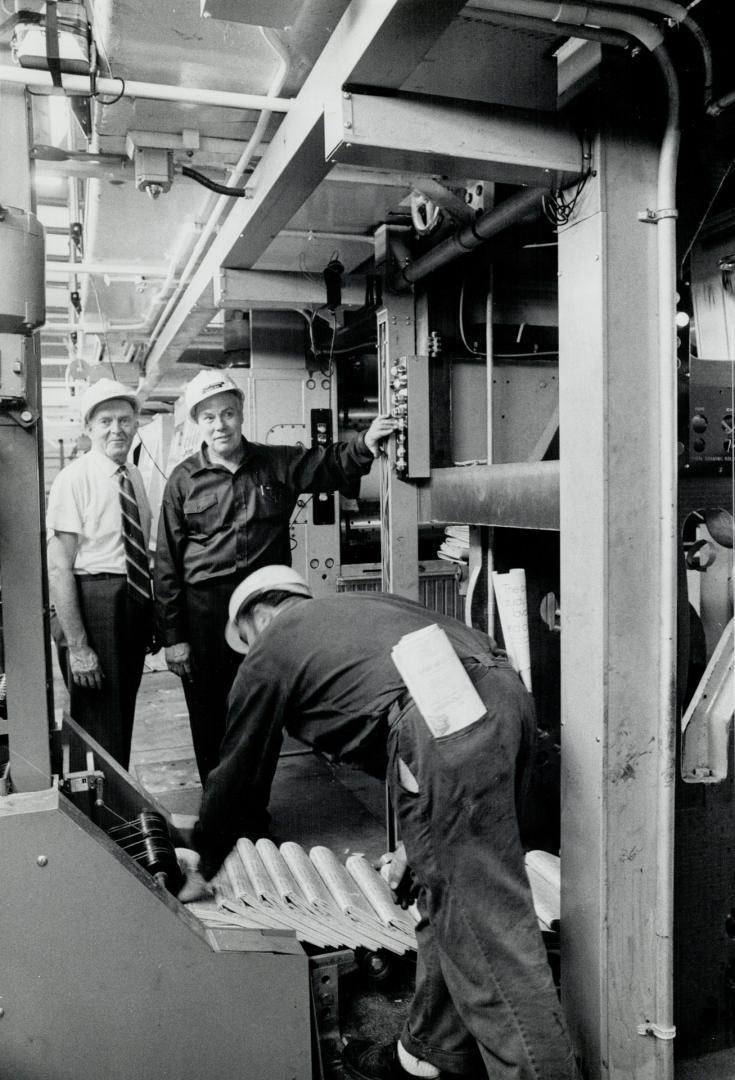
<point>439,685</point>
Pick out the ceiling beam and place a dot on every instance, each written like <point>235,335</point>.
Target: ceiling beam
<point>270,290</point>
<point>294,163</point>
<point>450,138</point>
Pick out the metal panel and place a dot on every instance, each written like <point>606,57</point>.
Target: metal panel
<point>244,289</point>
<point>438,585</point>
<point>450,139</point>
<point>101,965</point>
<point>525,397</point>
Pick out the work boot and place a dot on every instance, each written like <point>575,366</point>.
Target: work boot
<point>367,1061</point>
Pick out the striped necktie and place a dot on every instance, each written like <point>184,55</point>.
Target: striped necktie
<point>136,556</point>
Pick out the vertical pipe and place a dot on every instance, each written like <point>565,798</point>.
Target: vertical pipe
<point>666,247</point>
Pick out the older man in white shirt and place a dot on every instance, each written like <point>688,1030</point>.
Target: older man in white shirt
<point>99,524</point>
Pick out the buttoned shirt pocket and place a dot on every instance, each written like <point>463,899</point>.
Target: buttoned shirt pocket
<point>273,501</point>
<point>201,513</point>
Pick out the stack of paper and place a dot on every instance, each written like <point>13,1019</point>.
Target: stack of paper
<point>439,685</point>
<point>456,545</point>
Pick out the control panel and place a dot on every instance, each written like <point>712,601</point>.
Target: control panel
<point>711,423</point>
<point>322,436</point>
<point>408,401</point>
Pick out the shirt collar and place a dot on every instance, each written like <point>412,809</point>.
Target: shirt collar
<point>203,462</point>
<point>104,464</point>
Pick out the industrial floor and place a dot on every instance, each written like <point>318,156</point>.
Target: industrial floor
<point>312,802</point>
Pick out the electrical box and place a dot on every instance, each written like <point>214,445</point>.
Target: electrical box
<point>408,397</point>
<point>29,46</point>
<point>13,367</point>
<point>23,271</point>
<point>154,170</point>
<point>710,437</point>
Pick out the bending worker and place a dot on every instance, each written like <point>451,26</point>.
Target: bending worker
<point>322,669</point>
<point>99,578</point>
<point>226,512</point>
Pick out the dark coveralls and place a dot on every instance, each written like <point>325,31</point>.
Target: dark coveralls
<point>215,528</point>
<point>323,671</point>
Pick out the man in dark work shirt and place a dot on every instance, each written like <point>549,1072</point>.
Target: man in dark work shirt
<point>322,670</point>
<point>225,512</point>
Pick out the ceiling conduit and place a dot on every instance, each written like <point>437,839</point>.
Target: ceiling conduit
<point>80,84</point>
<point>149,380</point>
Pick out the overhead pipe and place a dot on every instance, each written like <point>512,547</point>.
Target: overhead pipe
<point>82,84</point>
<point>475,232</point>
<point>579,16</point>
<point>526,22</point>
<point>682,16</point>
<point>223,201</point>
<point>115,270</point>
<point>518,495</point>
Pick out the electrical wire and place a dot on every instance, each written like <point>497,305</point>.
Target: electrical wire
<point>471,351</point>
<point>557,206</point>
<point>706,214</point>
<point>219,189</point>
<point>524,355</point>
<point>112,101</point>
<point>300,505</point>
<point>150,455</point>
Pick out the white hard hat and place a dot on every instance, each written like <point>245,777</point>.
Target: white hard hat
<point>281,578</point>
<point>206,384</point>
<point>106,390</point>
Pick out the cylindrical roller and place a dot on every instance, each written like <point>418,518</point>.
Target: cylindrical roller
<point>344,890</point>
<point>306,874</point>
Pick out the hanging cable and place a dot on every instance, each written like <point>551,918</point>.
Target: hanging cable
<point>470,350</point>
<point>558,205</point>
<point>219,189</point>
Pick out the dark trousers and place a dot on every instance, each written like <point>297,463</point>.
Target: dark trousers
<point>214,666</point>
<point>483,981</point>
<point>118,629</point>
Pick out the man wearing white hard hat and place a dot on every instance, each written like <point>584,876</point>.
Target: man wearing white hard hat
<point>225,513</point>
<point>323,670</point>
<point>99,525</point>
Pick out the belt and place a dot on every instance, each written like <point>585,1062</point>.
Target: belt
<point>98,577</point>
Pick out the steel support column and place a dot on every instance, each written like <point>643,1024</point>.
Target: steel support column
<point>22,500</point>
<point>614,520</point>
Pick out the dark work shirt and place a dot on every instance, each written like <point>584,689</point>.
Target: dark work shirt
<point>217,525</point>
<point>322,670</point>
